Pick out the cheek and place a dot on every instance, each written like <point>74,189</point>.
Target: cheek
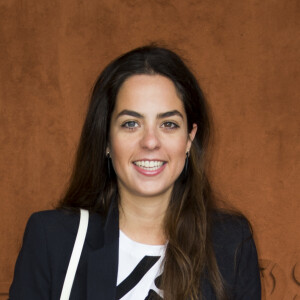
<point>121,150</point>
<point>176,147</point>
<point>176,155</point>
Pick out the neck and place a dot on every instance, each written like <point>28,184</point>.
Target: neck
<point>142,218</point>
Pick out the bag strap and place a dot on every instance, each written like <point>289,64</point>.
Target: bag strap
<point>76,253</point>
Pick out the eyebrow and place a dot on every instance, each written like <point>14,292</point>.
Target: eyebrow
<point>170,114</point>
<point>159,116</point>
<point>132,113</point>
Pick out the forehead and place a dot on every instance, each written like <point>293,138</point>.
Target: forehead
<point>145,93</point>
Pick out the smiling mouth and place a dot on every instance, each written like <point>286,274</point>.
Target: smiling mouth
<point>149,165</point>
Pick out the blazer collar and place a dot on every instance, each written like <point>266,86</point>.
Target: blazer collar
<point>102,266</point>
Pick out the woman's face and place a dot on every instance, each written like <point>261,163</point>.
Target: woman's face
<point>148,136</point>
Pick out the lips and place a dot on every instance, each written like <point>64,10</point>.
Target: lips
<point>149,167</point>
<point>149,164</point>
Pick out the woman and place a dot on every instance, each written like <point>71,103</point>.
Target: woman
<point>153,232</point>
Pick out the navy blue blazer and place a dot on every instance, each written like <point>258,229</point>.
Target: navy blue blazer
<point>48,242</point>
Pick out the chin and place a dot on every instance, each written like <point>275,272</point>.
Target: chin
<point>152,192</point>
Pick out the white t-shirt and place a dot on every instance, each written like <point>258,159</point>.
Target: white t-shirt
<point>140,266</point>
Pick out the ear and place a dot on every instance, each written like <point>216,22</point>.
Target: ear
<point>192,135</point>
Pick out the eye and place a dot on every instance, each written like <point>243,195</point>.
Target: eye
<point>169,125</point>
<point>130,124</point>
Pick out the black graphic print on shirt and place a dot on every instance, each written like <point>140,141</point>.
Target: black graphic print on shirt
<point>136,275</point>
<point>152,295</point>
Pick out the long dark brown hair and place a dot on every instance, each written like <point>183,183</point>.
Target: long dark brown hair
<point>188,221</point>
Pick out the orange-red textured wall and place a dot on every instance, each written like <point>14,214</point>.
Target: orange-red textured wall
<point>244,53</point>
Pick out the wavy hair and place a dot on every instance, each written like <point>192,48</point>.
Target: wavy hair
<point>189,254</point>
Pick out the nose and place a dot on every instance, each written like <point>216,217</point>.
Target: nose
<point>150,139</point>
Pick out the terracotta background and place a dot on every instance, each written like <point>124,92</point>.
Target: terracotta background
<point>245,55</point>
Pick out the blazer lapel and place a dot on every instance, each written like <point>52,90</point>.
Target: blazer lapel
<point>102,267</point>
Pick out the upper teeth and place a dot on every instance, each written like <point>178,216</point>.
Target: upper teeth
<point>148,164</point>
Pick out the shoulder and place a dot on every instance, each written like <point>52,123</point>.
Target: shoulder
<point>229,228</point>
<point>236,253</point>
<point>54,218</point>
<point>62,225</point>
<point>46,249</point>
<point>62,216</point>
<point>55,221</point>
<point>230,233</point>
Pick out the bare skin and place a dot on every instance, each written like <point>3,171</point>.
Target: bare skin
<point>148,126</point>
<point>142,220</point>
